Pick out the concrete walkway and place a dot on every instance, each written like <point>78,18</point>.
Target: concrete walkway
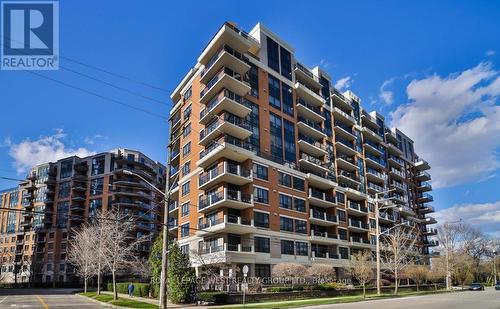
<point>154,301</point>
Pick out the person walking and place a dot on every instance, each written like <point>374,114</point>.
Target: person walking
<point>131,288</point>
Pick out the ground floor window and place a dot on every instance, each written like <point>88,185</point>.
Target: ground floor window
<point>262,270</point>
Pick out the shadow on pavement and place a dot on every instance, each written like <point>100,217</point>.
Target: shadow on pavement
<point>10,292</point>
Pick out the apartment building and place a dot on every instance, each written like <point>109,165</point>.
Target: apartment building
<point>270,163</point>
<point>38,216</point>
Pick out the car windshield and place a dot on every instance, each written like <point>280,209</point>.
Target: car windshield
<point>476,284</point>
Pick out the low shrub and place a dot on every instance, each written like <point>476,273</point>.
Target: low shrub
<point>329,286</point>
<point>212,297</point>
<point>278,289</point>
<point>141,289</point>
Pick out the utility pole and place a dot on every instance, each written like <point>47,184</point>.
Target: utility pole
<point>495,267</point>
<point>164,262</point>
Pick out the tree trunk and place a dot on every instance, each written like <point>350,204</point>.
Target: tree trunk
<point>99,279</point>
<point>396,282</point>
<point>417,287</point>
<point>364,290</point>
<point>85,284</point>
<point>115,292</point>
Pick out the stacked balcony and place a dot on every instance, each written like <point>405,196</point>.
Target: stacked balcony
<point>386,217</point>
<point>376,176</point>
<point>308,110</point>
<point>225,100</point>
<point>373,147</point>
<point>422,165</point>
<point>396,173</point>
<point>360,242</point>
<point>357,209</point>
<point>350,178</point>
<point>425,209</point>
<point>311,146</point>
<point>310,128</point>
<point>391,137</point>
<point>430,243</point>
<point>226,78</point>
<point>225,56</point>
<point>346,162</point>
<point>225,197</point>
<point>374,161</point>
<point>226,224</point>
<point>321,198</point>
<point>369,134</point>
<point>406,210</point>
<point>423,176</point>
<point>395,161</point>
<point>424,187</point>
<point>344,116</point>
<point>429,231</point>
<point>424,198</point>
<point>358,226</point>
<point>339,100</point>
<point>399,198</point>
<point>313,163</point>
<point>344,131</point>
<point>226,123</point>
<point>429,220</point>
<point>322,218</point>
<point>398,187</point>
<point>225,172</point>
<point>345,146</point>
<point>374,188</point>
<point>228,147</point>
<point>309,94</point>
<point>326,238</point>
<point>305,76</point>
<point>393,149</point>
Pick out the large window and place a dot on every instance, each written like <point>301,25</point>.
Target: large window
<point>299,204</point>
<point>96,186</point>
<point>62,214</point>
<point>261,219</point>
<point>186,150</point>
<point>287,99</point>
<point>13,199</point>
<point>186,188</point>
<point>289,128</point>
<point>262,244</point>
<point>185,209</point>
<point>301,248</point>
<point>261,195</point>
<point>276,137</point>
<point>64,189</point>
<point>274,92</point>
<point>286,201</point>
<point>260,171</point>
<point>253,78</point>
<point>301,226</point>
<point>286,63</point>
<point>285,179</point>
<point>185,230</point>
<point>66,168</point>
<point>254,126</point>
<point>287,247</point>
<point>286,224</point>
<point>273,58</point>
<point>262,270</point>
<point>299,184</point>
<point>98,165</point>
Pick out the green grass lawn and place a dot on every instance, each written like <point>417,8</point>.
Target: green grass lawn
<point>121,302</point>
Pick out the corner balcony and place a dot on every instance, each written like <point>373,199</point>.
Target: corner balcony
<point>228,34</point>
<point>374,175</point>
<point>407,211</point>
<point>395,161</point>
<point>356,208</point>
<point>327,238</point>
<point>424,198</point>
<point>225,172</point>
<point>344,131</point>
<point>424,187</point>
<point>321,199</point>
<point>309,95</point>
<point>374,148</point>
<point>322,218</point>
<point>227,224</point>
<point>395,173</point>
<point>337,112</point>
<point>422,165</point>
<point>392,149</point>
<point>429,231</point>
<point>429,220</point>
<point>225,124</point>
<point>391,136</point>
<point>225,198</point>
<point>339,99</point>
<point>225,100</point>
<point>311,146</point>
<point>368,120</point>
<point>359,242</point>
<point>224,79</point>
<point>346,162</point>
<point>430,243</point>
<point>313,163</point>
<point>310,128</point>
<point>305,76</point>
<point>401,199</point>
<point>373,161</point>
<point>426,209</point>
<point>370,135</point>
<point>386,217</point>
<point>348,177</point>
<point>358,226</point>
<point>226,56</point>
<point>345,146</point>
<point>225,147</point>
<point>309,111</point>
<point>423,176</point>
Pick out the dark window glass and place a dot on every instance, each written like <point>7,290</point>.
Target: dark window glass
<point>261,195</point>
<point>96,186</point>
<point>340,197</point>
<point>274,92</point>
<point>262,244</point>
<point>285,179</point>
<point>289,128</point>
<point>287,99</point>
<point>301,248</point>
<point>254,126</point>
<point>325,88</point>
<point>186,188</point>
<point>95,205</point>
<point>285,201</point>
<point>273,54</point>
<point>64,189</point>
<point>286,224</point>
<point>344,253</point>
<point>300,226</point>
<point>66,168</point>
<point>185,230</point>
<point>261,219</point>
<point>260,171</point>
<point>286,63</point>
<point>253,75</point>
<point>98,165</point>
<point>299,184</point>
<point>62,214</point>
<point>299,204</point>
<point>276,137</point>
<point>262,270</point>
<point>287,247</point>
<point>341,215</point>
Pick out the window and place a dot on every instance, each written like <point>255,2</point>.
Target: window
<point>301,248</point>
<point>94,206</point>
<point>187,112</point>
<point>62,214</point>
<point>98,165</point>
<point>276,138</point>
<point>262,244</point>
<point>340,197</point>
<point>186,130</point>
<point>186,188</point>
<point>274,92</point>
<point>286,224</point>
<point>185,230</point>
<point>260,171</point>
<point>273,60</point>
<point>253,78</point>
<point>285,201</point>
<point>185,249</point>
<point>64,189</point>
<point>341,215</point>
<point>185,209</point>
<point>373,224</point>
<point>284,179</point>
<point>300,226</point>
<point>262,270</point>
<point>187,95</point>
<point>186,150</point>
<point>261,219</point>
<point>66,168</point>
<point>299,184</point>
<point>254,139</point>
<point>299,204</point>
<point>344,253</point>
<point>342,234</point>
<point>289,129</point>
<point>287,247</point>
<point>261,195</point>
<point>186,168</point>
<point>96,186</point>
<point>286,63</point>
<point>287,99</point>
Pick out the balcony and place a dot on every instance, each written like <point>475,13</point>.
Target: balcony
<point>173,207</point>
<point>339,99</point>
<point>225,172</point>
<point>407,211</point>
<point>429,231</point>
<point>374,188</point>
<point>429,220</point>
<point>226,224</point>
<point>391,136</point>
<point>395,173</point>
<point>228,34</point>
<point>401,199</point>
<point>321,199</point>
<point>374,175</point>
<point>349,177</point>
<point>346,162</point>
<point>356,208</point>
<point>309,111</point>
<point>225,124</point>
<point>426,209</point>
<point>225,198</point>
<point>309,95</point>
<point>226,56</point>
<point>423,176</point>
<point>173,224</point>
<point>359,242</point>
<point>225,100</point>
<point>386,217</point>
<point>305,76</point>
<point>374,148</point>
<point>374,161</point>
<point>311,146</point>
<point>310,128</point>
<point>370,135</point>
<point>424,187</point>
<point>347,147</point>
<point>322,181</point>
<point>422,165</point>
<point>395,160</point>
<point>322,218</point>
<point>224,79</point>
<point>337,112</point>
<point>424,198</point>
<point>225,147</point>
<point>313,163</point>
<point>358,226</point>
<point>392,149</point>
<point>368,120</point>
<point>327,238</point>
<point>398,186</point>
<point>430,243</point>
<point>344,131</point>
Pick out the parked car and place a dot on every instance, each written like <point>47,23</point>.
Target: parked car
<point>497,286</point>
<point>476,287</point>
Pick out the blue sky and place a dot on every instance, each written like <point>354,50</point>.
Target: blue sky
<point>390,53</point>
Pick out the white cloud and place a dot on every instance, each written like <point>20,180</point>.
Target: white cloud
<point>28,153</point>
<point>490,53</point>
<point>91,140</point>
<point>344,83</point>
<point>455,124</point>
<point>386,96</point>
<point>485,217</point>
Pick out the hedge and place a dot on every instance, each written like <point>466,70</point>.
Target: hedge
<point>212,297</point>
<point>141,289</point>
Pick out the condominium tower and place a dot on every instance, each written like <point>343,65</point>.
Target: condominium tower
<point>270,163</point>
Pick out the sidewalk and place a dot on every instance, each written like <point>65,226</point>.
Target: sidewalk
<point>154,301</point>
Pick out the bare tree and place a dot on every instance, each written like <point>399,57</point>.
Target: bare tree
<point>361,268</point>
<point>82,253</point>
<point>417,273</point>
<point>398,251</point>
<point>289,272</point>
<point>449,238</point>
<point>321,272</point>
<point>210,264</point>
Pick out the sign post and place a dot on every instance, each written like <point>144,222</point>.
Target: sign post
<point>245,273</point>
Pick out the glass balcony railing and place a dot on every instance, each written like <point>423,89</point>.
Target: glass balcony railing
<point>224,71</point>
<point>219,97</point>
<point>396,159</point>
<point>226,117</point>
<point>303,69</point>
<point>357,206</point>
<point>375,159</point>
<point>226,48</point>
<point>313,160</point>
<point>346,158</point>
<point>345,142</point>
<point>312,124</point>
<point>311,107</point>
<point>311,141</point>
<point>375,145</point>
<point>344,127</point>
<point>358,224</point>
<point>225,139</point>
<point>225,167</point>
<point>349,175</point>
<point>373,171</point>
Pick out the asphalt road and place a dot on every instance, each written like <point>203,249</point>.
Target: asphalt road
<point>44,299</point>
<point>488,299</point>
